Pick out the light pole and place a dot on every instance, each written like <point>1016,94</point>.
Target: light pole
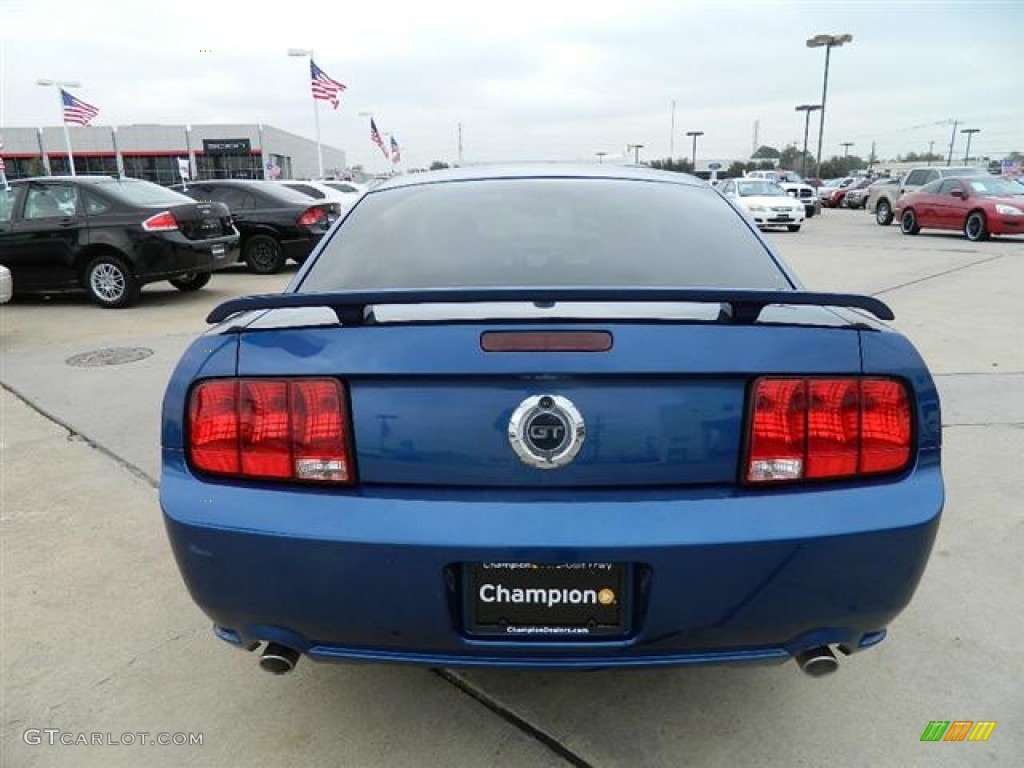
<point>970,132</point>
<point>693,160</point>
<point>828,42</point>
<point>600,157</point>
<point>59,85</point>
<point>635,149</point>
<point>846,148</point>
<point>308,53</point>
<point>806,109</point>
<point>931,147</point>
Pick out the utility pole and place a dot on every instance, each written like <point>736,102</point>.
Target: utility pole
<point>931,147</point>
<point>460,145</point>
<point>694,135</point>
<point>970,132</point>
<point>952,139</point>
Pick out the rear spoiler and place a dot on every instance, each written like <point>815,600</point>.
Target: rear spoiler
<point>745,306</point>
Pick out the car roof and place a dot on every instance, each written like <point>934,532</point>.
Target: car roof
<point>541,171</point>
<point>78,179</point>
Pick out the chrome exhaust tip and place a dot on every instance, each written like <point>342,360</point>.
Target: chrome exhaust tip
<point>817,662</point>
<point>278,659</point>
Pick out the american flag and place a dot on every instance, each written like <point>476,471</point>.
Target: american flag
<point>395,154</point>
<point>77,111</point>
<point>376,139</point>
<point>323,87</point>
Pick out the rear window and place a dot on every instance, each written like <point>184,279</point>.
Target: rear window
<point>544,233</point>
<point>138,192</point>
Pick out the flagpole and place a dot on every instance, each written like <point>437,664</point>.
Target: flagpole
<point>59,85</point>
<point>308,53</point>
<point>319,148</point>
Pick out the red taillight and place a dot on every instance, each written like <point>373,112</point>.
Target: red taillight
<point>285,429</point>
<point>161,222</point>
<point>312,217</point>
<point>811,428</point>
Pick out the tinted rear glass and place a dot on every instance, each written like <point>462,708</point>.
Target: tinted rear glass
<point>544,232</point>
<point>138,192</point>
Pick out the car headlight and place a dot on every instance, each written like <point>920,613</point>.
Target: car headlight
<point>756,208</point>
<point>1009,210</point>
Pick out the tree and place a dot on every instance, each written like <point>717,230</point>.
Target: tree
<point>837,166</point>
<point>738,169</point>
<point>764,152</point>
<point>669,164</point>
<point>437,165</point>
<point>792,159</point>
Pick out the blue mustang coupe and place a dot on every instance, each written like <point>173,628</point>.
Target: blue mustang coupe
<point>551,417</point>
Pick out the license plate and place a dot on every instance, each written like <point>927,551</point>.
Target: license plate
<point>218,251</point>
<point>535,601</point>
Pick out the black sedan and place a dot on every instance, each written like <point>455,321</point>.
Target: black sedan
<point>109,237</point>
<point>276,223</point>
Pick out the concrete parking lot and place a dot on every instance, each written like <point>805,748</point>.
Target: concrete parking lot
<point>100,637</point>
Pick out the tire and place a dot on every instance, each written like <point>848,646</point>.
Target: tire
<point>908,223</point>
<point>975,227</point>
<point>263,255</point>
<point>110,283</point>
<point>883,213</point>
<point>793,227</point>
<point>191,281</point>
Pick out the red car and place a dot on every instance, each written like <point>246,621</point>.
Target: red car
<point>979,206</point>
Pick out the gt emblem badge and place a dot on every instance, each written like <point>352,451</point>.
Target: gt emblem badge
<point>546,431</point>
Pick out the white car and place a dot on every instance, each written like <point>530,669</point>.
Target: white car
<point>332,191</point>
<point>6,285</point>
<point>766,202</point>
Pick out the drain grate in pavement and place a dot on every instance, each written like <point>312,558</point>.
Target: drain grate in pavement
<point>109,356</point>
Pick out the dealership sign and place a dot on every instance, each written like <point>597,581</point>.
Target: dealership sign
<point>226,146</point>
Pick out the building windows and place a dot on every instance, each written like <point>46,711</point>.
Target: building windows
<point>84,166</point>
<point>160,169</point>
<point>228,166</point>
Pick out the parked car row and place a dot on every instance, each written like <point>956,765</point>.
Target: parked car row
<point>110,236</point>
<point>275,222</point>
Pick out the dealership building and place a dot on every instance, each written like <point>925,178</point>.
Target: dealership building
<point>152,152</point>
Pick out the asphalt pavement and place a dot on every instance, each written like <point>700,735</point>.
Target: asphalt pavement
<point>100,638</point>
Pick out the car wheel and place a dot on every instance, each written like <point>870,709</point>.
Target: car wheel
<point>793,227</point>
<point>263,255</point>
<point>191,281</point>
<point>976,228</point>
<point>908,223</point>
<point>110,283</point>
<point>883,213</point>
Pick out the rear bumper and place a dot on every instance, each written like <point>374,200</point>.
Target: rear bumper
<point>721,576</point>
<point>173,255</point>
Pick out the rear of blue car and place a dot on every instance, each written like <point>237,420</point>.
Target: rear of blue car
<point>457,475</point>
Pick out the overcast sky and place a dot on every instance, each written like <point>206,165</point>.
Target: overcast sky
<point>530,79</point>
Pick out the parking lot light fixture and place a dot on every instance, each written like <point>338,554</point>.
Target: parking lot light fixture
<point>635,149</point>
<point>308,53</point>
<point>806,109</point>
<point>970,132</point>
<point>59,85</point>
<point>828,42</point>
<point>693,160</point>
